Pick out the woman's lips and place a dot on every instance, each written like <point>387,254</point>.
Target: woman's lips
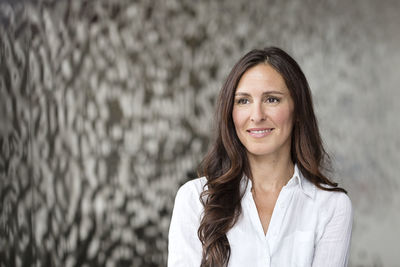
<point>259,132</point>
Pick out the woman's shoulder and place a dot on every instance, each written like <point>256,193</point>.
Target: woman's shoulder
<point>333,199</point>
<point>325,194</point>
<point>194,185</point>
<point>191,190</point>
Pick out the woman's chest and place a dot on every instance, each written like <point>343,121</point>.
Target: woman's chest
<point>290,240</point>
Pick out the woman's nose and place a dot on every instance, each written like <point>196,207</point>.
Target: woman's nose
<point>257,113</point>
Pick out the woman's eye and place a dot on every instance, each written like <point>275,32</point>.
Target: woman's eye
<point>273,100</point>
<point>242,101</point>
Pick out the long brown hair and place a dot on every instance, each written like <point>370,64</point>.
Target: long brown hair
<point>226,162</point>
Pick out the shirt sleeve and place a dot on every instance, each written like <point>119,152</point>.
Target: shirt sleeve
<point>332,250</point>
<point>184,246</point>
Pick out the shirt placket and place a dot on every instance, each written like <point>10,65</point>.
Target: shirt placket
<point>277,220</point>
<point>255,221</point>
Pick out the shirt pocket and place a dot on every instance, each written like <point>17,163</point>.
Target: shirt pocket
<point>303,248</point>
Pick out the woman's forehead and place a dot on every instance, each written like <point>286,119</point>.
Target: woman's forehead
<point>261,78</point>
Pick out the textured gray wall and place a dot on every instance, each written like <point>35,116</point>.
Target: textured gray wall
<point>106,108</point>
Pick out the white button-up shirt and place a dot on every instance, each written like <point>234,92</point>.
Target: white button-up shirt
<point>308,227</point>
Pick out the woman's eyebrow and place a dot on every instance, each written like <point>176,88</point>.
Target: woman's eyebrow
<point>264,93</point>
<point>242,94</point>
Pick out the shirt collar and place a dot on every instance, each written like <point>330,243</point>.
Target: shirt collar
<point>307,187</point>
<point>298,179</point>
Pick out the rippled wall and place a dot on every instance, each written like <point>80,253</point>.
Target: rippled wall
<point>106,108</point>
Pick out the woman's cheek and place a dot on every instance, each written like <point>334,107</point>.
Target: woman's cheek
<point>282,117</point>
<point>239,117</point>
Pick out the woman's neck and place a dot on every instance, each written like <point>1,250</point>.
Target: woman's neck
<point>270,174</point>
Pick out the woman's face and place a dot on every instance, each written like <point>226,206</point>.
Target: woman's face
<point>263,112</point>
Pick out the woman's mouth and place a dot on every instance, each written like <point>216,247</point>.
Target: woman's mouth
<point>260,132</point>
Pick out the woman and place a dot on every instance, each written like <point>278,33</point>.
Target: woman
<point>264,199</point>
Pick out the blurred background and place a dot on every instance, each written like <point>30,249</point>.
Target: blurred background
<point>106,108</point>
